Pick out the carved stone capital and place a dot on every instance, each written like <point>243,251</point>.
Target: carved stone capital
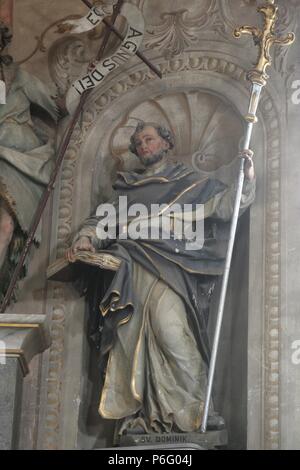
<point>23,336</point>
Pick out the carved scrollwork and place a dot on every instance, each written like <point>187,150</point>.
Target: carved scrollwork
<point>40,40</point>
<point>288,21</point>
<point>177,26</point>
<point>67,57</point>
<point>229,16</point>
<point>177,32</point>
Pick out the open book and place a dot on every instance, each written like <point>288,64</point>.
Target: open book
<point>65,271</point>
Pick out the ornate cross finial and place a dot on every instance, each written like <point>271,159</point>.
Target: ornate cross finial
<point>265,39</point>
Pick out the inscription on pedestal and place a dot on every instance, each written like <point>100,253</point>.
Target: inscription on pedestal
<point>208,440</point>
<point>161,439</point>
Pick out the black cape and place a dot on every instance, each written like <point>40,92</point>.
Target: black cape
<point>190,273</point>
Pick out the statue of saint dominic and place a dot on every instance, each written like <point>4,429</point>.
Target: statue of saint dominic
<point>152,313</point>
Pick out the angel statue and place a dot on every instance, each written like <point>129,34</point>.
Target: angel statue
<point>26,157</point>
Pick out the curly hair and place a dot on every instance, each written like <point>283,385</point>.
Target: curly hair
<point>163,132</point>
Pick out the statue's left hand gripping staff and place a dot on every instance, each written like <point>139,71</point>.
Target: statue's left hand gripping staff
<point>264,39</point>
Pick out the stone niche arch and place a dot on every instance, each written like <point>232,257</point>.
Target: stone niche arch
<point>86,178</point>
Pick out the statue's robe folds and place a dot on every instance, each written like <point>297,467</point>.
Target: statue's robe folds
<point>26,152</point>
<point>26,157</point>
<point>153,311</point>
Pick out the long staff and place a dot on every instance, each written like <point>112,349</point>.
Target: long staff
<point>61,153</point>
<point>117,33</point>
<point>258,77</point>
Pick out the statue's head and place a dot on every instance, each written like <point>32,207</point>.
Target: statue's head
<point>150,142</point>
<point>5,36</point>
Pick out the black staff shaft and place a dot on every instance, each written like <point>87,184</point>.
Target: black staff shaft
<point>61,154</point>
<point>121,36</point>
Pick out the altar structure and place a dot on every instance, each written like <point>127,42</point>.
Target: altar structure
<point>49,378</point>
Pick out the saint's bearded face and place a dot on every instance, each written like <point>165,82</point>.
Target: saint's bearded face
<point>150,146</point>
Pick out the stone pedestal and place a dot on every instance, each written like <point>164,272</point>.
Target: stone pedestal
<point>209,440</point>
<point>21,338</point>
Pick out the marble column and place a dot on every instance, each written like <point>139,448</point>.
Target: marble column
<point>21,338</point>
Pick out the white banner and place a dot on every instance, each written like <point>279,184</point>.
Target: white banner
<point>90,21</point>
<point>129,46</point>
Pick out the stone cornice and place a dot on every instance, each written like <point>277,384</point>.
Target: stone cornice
<point>23,336</point>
